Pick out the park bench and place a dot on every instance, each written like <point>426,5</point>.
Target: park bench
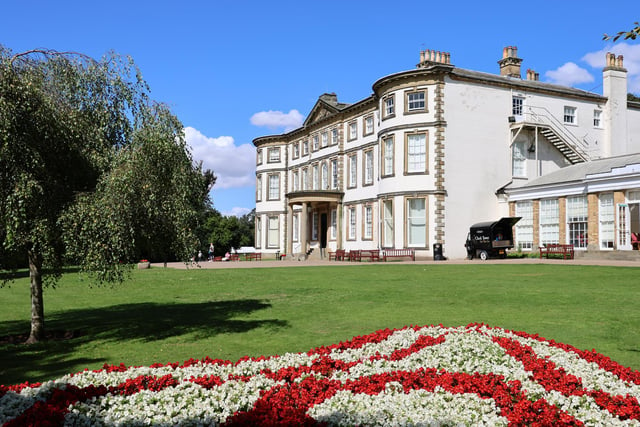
<point>398,253</point>
<point>371,255</point>
<point>557,249</point>
<point>255,256</point>
<point>338,255</point>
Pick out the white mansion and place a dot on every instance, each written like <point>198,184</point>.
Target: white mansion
<point>436,149</point>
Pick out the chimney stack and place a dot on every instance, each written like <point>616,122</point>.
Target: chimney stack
<point>614,88</point>
<point>510,63</point>
<point>429,58</point>
<point>532,75</point>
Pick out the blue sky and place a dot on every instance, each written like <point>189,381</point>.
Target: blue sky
<point>235,70</point>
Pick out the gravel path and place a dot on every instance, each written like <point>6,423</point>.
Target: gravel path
<point>308,263</point>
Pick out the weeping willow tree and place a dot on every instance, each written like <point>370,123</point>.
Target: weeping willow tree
<point>92,171</point>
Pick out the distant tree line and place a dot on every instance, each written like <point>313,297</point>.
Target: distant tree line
<point>225,232</point>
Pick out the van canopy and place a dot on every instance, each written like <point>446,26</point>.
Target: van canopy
<point>502,223</point>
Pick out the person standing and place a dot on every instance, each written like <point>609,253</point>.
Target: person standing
<point>210,251</point>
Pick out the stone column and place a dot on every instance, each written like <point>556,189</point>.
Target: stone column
<point>304,219</point>
<point>289,248</point>
<point>339,244</point>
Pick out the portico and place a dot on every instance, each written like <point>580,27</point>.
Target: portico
<point>306,204</point>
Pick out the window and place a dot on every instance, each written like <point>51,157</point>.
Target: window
<point>570,115</point>
<point>367,232</point>
<point>387,223</point>
<point>334,174</point>
<point>368,125</point>
<point>316,144</point>
<point>353,170</point>
<point>387,147</point>
<point>316,177</point>
<point>353,130</point>
<point>325,139</point>
<point>416,101</point>
<point>334,224</point>
<point>305,179</point>
<point>273,155</point>
<point>334,136</point>
<point>273,236</point>
<point>549,221</point>
<point>519,159</point>
<point>416,149</point>
<point>352,223</point>
<point>296,180</point>
<point>258,231</point>
<point>314,226</point>
<point>517,102</point>
<point>389,107</point>
<point>305,148</point>
<point>524,227</point>
<point>325,176</point>
<point>416,222</point>
<point>606,220</point>
<point>296,150</point>
<point>259,157</point>
<point>597,118</point>
<point>274,187</point>
<point>368,167</point>
<point>296,228</point>
<point>577,221</point>
<point>258,188</point>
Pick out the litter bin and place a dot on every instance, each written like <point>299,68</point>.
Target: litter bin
<point>437,252</point>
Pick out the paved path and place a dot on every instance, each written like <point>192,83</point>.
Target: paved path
<point>309,263</point>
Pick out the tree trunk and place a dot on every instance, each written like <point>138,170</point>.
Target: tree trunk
<point>37,302</point>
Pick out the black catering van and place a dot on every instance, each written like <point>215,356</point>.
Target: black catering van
<point>491,239</point>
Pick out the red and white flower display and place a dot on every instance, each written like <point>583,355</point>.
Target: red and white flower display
<point>433,375</point>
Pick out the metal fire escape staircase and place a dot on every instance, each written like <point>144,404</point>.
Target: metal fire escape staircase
<point>573,148</point>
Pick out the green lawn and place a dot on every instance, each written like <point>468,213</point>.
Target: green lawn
<point>165,315</point>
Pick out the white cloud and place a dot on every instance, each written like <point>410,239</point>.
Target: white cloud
<point>277,119</point>
<point>569,74</point>
<point>234,165</point>
<point>631,55</point>
<point>236,211</point>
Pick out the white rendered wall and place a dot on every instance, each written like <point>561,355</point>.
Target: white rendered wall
<point>477,158</point>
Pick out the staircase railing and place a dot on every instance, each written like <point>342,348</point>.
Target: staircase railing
<point>544,117</point>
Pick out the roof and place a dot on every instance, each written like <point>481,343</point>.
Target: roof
<point>580,171</point>
<point>524,84</point>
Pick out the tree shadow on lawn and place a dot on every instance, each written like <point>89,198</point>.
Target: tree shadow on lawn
<point>121,323</point>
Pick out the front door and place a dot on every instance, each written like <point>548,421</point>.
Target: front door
<point>323,234</point>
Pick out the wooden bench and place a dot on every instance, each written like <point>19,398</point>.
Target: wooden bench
<point>256,256</point>
<point>234,257</point>
<point>557,249</point>
<point>371,255</point>
<point>338,255</point>
<point>398,253</point>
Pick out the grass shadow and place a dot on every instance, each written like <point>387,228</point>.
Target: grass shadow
<point>124,323</point>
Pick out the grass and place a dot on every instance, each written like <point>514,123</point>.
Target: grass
<point>165,315</point>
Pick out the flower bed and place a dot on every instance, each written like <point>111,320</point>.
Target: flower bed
<point>416,375</point>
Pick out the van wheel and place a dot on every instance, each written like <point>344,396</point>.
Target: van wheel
<point>484,255</point>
